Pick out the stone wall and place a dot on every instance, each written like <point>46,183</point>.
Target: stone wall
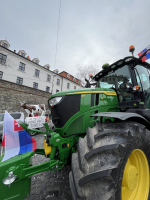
<point>11,94</point>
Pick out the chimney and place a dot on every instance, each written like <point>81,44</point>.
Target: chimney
<point>14,51</point>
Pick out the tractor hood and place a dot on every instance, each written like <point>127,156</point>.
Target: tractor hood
<point>66,106</point>
<point>107,91</point>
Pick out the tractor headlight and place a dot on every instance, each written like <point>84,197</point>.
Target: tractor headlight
<point>54,101</point>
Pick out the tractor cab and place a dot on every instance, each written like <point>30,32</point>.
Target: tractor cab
<point>129,78</point>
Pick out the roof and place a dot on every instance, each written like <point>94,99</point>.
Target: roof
<point>119,64</point>
<point>26,58</point>
<point>70,75</point>
<point>72,78</point>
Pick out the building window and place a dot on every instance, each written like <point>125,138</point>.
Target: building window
<point>74,79</point>
<point>47,67</point>
<point>35,85</point>
<point>5,45</point>
<point>19,80</point>
<point>58,81</point>
<point>2,58</point>
<point>22,67</point>
<point>1,75</point>
<point>22,54</point>
<point>79,82</point>
<point>68,85</point>
<point>36,61</point>
<point>57,91</point>
<point>74,87</point>
<point>48,77</point>
<point>47,89</point>
<point>37,72</point>
<point>68,75</point>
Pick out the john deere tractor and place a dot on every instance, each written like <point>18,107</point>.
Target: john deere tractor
<point>103,131</point>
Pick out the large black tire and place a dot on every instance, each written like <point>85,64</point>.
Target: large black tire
<point>98,165</point>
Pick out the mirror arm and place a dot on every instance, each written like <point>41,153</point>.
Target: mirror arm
<point>87,83</point>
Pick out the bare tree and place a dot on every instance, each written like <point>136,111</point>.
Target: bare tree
<point>85,71</point>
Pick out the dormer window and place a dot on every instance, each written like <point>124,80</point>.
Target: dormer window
<point>56,71</point>
<point>22,54</point>
<point>78,81</point>
<point>4,44</point>
<point>47,66</point>
<point>68,75</point>
<point>36,60</point>
<point>74,79</point>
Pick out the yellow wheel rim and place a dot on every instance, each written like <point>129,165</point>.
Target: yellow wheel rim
<point>135,183</point>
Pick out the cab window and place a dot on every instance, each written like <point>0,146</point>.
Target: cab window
<point>117,80</point>
<point>143,80</point>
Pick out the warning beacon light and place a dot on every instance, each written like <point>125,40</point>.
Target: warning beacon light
<point>131,49</point>
<point>91,76</point>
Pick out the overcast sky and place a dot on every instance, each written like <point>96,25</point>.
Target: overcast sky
<point>90,31</point>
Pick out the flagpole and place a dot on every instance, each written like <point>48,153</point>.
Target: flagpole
<point>1,150</point>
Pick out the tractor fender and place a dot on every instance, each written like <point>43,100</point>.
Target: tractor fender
<point>124,116</point>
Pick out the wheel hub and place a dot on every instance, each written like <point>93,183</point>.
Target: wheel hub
<point>130,177</point>
<point>135,183</point>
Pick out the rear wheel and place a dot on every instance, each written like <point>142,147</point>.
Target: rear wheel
<point>112,163</point>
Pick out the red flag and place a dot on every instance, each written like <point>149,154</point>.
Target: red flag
<point>17,127</point>
<point>34,145</point>
<point>3,142</point>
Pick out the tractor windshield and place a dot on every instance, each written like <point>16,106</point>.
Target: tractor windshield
<point>117,80</point>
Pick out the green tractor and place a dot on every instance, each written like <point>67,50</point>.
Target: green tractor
<point>102,131</point>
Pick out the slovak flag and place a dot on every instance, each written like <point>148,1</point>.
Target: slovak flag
<point>147,56</point>
<point>15,139</point>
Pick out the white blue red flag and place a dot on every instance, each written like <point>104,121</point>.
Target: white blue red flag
<point>15,139</point>
<point>147,56</point>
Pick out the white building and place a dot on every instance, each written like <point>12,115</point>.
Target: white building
<point>20,69</point>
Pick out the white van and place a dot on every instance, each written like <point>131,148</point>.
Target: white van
<point>18,116</point>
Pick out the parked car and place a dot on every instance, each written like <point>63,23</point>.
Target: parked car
<point>18,116</point>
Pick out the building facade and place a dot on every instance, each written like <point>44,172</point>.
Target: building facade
<point>19,68</point>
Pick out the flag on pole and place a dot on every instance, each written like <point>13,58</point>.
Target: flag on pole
<point>2,145</point>
<point>3,141</point>
<point>15,139</point>
<point>147,56</point>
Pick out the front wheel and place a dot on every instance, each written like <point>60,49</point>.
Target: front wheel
<point>112,163</point>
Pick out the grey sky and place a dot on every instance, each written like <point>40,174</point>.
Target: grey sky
<point>90,31</point>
